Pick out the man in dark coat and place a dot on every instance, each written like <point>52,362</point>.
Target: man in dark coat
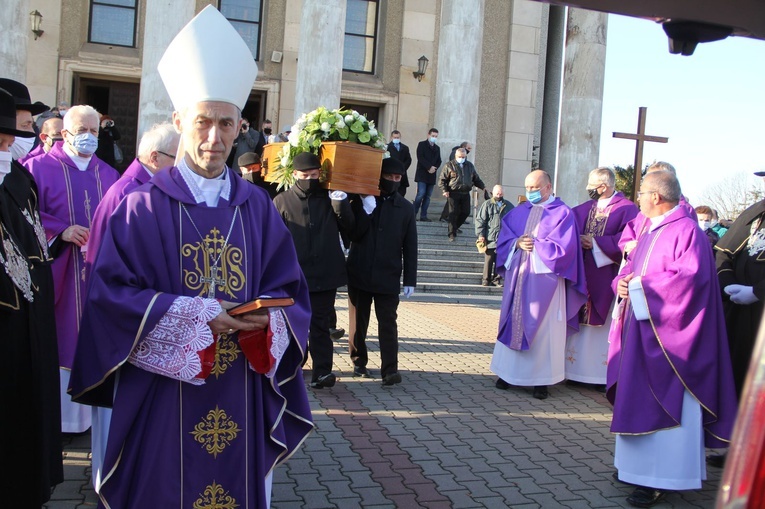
<point>315,218</point>
<point>400,152</point>
<point>428,162</point>
<point>456,181</point>
<point>29,372</point>
<point>487,225</point>
<point>385,236</point>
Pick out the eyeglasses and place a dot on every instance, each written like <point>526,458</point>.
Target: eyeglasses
<point>166,154</point>
<point>645,192</point>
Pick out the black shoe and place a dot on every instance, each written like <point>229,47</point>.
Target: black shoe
<point>716,460</point>
<point>425,220</point>
<point>501,384</point>
<point>540,392</point>
<point>601,388</point>
<point>327,380</point>
<point>361,371</point>
<point>336,333</point>
<point>645,497</point>
<point>391,379</point>
<point>459,231</point>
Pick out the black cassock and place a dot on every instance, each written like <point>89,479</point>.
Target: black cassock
<point>740,256</point>
<point>30,433</point>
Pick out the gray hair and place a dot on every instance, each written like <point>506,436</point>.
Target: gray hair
<point>161,138</point>
<point>80,110</point>
<point>461,150</point>
<point>665,183</point>
<point>604,176</point>
<point>661,166</point>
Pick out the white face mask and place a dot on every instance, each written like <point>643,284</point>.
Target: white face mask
<point>5,165</point>
<point>21,147</point>
<point>433,139</point>
<point>460,160</point>
<point>705,225</point>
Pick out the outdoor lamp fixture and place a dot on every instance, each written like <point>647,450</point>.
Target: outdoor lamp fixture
<point>422,66</point>
<point>36,19</point>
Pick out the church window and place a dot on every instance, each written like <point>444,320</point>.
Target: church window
<point>360,36</point>
<point>245,16</point>
<point>113,22</point>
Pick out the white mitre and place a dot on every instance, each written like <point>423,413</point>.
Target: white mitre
<point>208,61</point>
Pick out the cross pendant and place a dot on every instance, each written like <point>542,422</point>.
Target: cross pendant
<point>212,281</point>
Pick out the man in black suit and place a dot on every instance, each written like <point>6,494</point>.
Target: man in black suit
<point>428,162</point>
<point>400,152</point>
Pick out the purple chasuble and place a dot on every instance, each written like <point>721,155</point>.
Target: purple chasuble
<point>639,224</point>
<point>606,227</point>
<point>557,244</point>
<point>134,176</point>
<point>171,443</point>
<point>682,346</point>
<point>68,196</point>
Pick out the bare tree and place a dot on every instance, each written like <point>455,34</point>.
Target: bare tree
<point>730,197</point>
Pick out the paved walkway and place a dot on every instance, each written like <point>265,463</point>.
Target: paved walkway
<point>443,438</point>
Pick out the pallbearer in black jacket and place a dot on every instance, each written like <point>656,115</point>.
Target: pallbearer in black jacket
<point>315,217</point>
<point>385,236</point>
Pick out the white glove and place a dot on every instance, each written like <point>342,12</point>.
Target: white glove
<point>369,203</point>
<point>408,291</point>
<point>338,195</point>
<point>733,289</point>
<point>744,295</point>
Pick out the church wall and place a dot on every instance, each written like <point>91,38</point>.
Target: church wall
<point>43,52</point>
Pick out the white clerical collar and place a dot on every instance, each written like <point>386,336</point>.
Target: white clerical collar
<point>204,189</point>
<point>146,169</point>
<point>656,221</point>
<point>82,163</point>
<point>545,203</point>
<point>603,202</point>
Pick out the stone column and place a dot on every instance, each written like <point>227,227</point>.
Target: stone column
<point>458,84</point>
<point>164,19</point>
<point>14,37</point>
<point>548,146</point>
<point>582,105</point>
<point>320,56</point>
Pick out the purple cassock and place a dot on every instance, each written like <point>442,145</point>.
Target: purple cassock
<point>606,227</point>
<point>527,296</point>
<point>68,196</point>
<point>639,224</point>
<point>682,346</point>
<point>134,176</point>
<point>172,443</point>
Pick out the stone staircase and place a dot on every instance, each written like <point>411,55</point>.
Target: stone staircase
<point>451,268</point>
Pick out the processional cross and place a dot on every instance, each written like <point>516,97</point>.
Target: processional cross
<point>641,137</point>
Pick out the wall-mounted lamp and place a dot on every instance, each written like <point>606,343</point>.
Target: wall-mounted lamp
<point>36,19</point>
<point>422,66</point>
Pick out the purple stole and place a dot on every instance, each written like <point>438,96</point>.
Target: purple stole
<point>68,196</point>
<point>683,344</point>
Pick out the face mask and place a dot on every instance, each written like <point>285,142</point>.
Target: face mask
<point>308,186</point>
<point>497,198</point>
<point>21,147</point>
<point>61,112</point>
<point>396,141</point>
<point>534,196</point>
<point>267,131</point>
<point>85,143</point>
<point>705,225</point>
<point>594,194</point>
<point>5,165</point>
<point>433,139</point>
<point>388,186</point>
<point>460,160</point>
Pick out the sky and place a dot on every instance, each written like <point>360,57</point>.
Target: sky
<point>711,105</point>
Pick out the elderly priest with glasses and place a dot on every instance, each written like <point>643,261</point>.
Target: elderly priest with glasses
<point>205,404</point>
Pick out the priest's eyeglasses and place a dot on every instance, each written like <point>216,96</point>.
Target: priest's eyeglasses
<point>645,192</point>
<point>165,154</point>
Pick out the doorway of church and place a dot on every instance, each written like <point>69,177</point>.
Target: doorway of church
<point>119,100</point>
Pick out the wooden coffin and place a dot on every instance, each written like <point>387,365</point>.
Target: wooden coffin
<point>351,167</point>
<point>269,160</point>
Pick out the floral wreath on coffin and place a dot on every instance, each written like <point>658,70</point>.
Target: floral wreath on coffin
<point>320,125</point>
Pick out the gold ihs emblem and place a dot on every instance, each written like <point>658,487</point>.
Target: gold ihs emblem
<point>217,266</point>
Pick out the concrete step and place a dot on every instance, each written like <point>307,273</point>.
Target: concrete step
<point>454,252</point>
<point>448,264</point>
<point>458,289</point>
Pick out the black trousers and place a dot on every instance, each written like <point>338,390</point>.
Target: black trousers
<point>319,343</point>
<point>459,210</point>
<point>386,310</point>
<point>490,265</point>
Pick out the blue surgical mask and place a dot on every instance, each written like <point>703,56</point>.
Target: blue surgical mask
<point>460,160</point>
<point>396,141</point>
<point>433,139</point>
<point>705,225</point>
<point>534,196</point>
<point>85,143</point>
